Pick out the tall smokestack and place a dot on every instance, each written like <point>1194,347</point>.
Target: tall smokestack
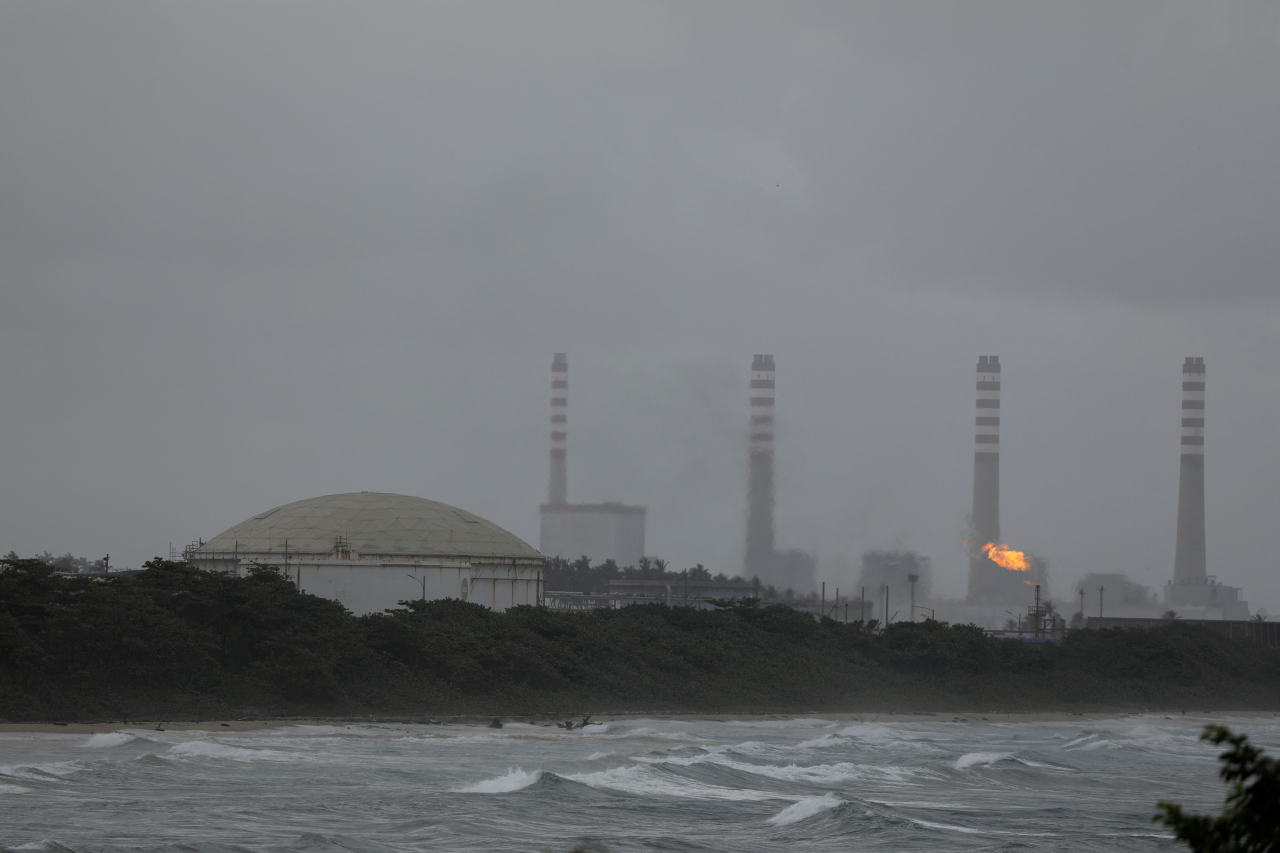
<point>1189,560</point>
<point>558,490</point>
<point>985,521</point>
<point>760,546</point>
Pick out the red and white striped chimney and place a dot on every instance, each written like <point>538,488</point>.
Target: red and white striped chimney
<point>985,520</point>
<point>558,491</point>
<point>760,558</point>
<point>1190,559</point>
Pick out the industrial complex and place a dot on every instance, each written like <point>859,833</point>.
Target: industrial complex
<point>373,550</point>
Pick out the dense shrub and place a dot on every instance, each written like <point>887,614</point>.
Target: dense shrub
<point>176,642</point>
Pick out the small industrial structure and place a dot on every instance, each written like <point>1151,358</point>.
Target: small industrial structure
<point>370,551</point>
<point>683,590</point>
<point>787,569</point>
<point>602,531</point>
<point>673,592</point>
<point>1193,590</point>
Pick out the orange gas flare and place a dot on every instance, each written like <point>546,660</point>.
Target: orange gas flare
<point>1001,555</point>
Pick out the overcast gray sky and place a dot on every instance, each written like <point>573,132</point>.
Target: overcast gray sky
<point>256,252</point>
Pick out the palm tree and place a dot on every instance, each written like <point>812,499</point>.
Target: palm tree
<point>660,565</point>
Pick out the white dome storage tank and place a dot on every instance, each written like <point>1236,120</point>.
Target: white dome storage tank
<point>371,550</point>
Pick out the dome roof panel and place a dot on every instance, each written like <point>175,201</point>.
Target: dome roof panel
<point>372,523</point>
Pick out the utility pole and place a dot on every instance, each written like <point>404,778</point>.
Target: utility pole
<point>862,607</point>
<point>1035,628</point>
<point>886,605</point>
<point>823,610</point>
<point>913,579</point>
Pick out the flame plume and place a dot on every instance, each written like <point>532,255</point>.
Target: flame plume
<point>1002,555</point>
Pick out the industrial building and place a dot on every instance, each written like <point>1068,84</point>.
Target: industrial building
<point>791,569</point>
<point>600,531</point>
<point>371,550</point>
<point>1193,591</point>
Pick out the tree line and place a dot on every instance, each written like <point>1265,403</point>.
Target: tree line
<point>175,642</point>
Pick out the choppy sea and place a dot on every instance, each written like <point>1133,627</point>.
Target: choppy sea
<point>734,785</point>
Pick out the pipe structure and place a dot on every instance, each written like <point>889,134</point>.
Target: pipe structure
<point>1189,560</point>
<point>558,487</point>
<point>759,557</point>
<point>985,519</point>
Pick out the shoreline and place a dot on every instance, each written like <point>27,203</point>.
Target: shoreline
<point>549,719</point>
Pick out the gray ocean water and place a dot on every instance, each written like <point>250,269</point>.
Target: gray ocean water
<point>641,785</point>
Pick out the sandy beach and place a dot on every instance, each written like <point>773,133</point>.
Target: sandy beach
<point>547,719</point>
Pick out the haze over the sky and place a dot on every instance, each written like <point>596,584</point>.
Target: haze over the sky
<point>256,252</point>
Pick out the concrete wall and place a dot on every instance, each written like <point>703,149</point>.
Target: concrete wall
<point>371,585</point>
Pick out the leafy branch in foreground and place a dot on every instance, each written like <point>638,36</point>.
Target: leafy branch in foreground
<point>1250,819</point>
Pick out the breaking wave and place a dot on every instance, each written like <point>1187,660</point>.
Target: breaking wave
<point>104,740</point>
<point>515,779</point>
<point>647,780</point>
<point>975,759</point>
<point>209,749</point>
<point>805,808</point>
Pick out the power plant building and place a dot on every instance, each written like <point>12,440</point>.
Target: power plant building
<point>601,531</point>
<point>371,550</point>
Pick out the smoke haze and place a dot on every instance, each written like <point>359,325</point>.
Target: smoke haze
<point>253,253</point>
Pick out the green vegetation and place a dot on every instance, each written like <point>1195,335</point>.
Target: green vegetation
<point>1250,819</point>
<point>580,576</point>
<point>174,642</point>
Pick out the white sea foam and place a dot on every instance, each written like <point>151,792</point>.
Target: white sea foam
<point>13,789</point>
<point>825,774</point>
<point>209,749</point>
<point>1100,744</point>
<point>825,741</point>
<point>814,774</point>
<point>514,780</point>
<point>932,825</point>
<point>41,772</point>
<point>646,781</point>
<point>805,808</point>
<point>781,724</point>
<point>973,759</point>
<point>595,728</point>
<point>107,739</point>
<point>646,731</point>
